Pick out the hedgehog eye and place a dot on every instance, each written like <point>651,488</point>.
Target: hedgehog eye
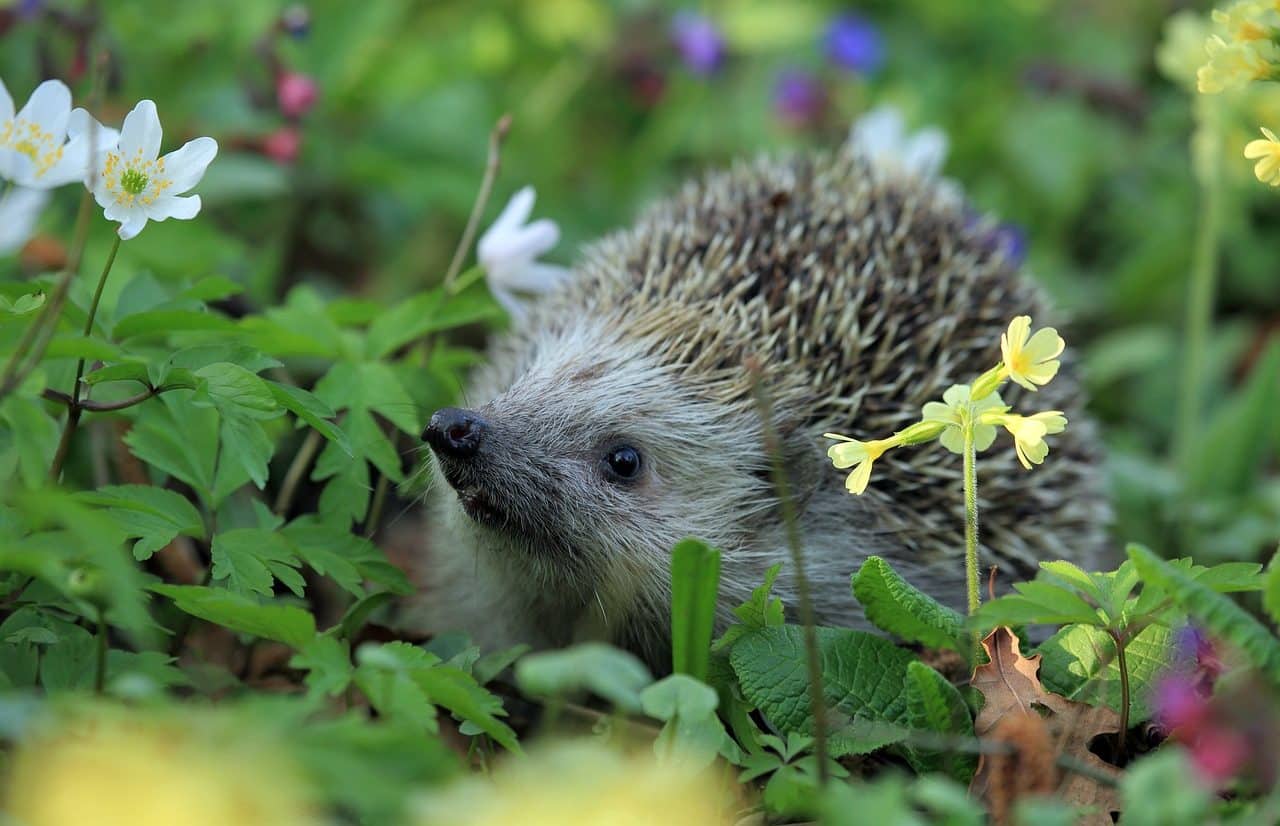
<point>623,462</point>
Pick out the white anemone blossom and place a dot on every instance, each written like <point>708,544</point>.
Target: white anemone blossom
<point>34,150</point>
<point>509,250</point>
<point>881,135</point>
<point>19,209</point>
<point>133,184</point>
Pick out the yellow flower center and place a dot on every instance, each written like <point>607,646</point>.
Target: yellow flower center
<point>135,180</point>
<point>29,139</point>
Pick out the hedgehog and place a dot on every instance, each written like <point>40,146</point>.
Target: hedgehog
<point>619,416</point>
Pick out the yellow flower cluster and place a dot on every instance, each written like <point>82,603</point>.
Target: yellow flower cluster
<point>1028,359</point>
<point>121,768</point>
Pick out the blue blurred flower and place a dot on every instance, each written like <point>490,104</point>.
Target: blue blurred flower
<point>1010,239</point>
<point>799,97</point>
<point>699,42</point>
<point>295,20</point>
<point>852,42</point>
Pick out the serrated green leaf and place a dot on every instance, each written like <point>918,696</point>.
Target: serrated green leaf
<point>309,408</point>
<point>329,550</point>
<point>124,371</point>
<point>1217,613</point>
<point>384,674</point>
<point>327,661</point>
<point>250,559</point>
<point>695,582</point>
<point>601,669</point>
<point>458,691</point>
<point>33,439</point>
<point>935,705</point>
<point>236,391</point>
<point>894,605</point>
<point>762,610</point>
<point>284,623</point>
<point>179,439</point>
<point>1079,662</point>
<point>153,515</point>
<point>1075,576</point>
<point>863,676</point>
<point>246,452</point>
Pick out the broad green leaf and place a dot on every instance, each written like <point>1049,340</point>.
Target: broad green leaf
<point>601,669</point>
<point>1230,577</point>
<point>250,559</point>
<point>863,676</point>
<point>235,390</point>
<point>935,705</point>
<point>695,582</point>
<point>1079,662</point>
<point>894,605</point>
<point>429,312</point>
<point>162,322</point>
<point>284,623</point>
<point>179,439</point>
<point>155,516</point>
<point>1155,792</point>
<point>32,440</point>
<point>246,452</point>
<point>330,551</point>
<point>1075,576</point>
<point>89,348</point>
<point>123,371</point>
<point>310,409</point>
<point>1037,601</point>
<point>1216,612</point>
<point>693,734</point>
<point>1232,448</point>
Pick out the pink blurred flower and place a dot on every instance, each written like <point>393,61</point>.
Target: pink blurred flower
<point>283,145</point>
<point>296,93</point>
<point>1219,754</point>
<point>1179,704</point>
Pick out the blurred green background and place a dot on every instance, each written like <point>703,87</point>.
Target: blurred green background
<point>1059,119</point>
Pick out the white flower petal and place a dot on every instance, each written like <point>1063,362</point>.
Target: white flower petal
<point>514,307</point>
<point>519,246</point>
<point>140,135</point>
<point>113,211</point>
<point>878,132</point>
<point>186,166</point>
<point>6,104</point>
<point>516,212</point>
<point>925,152</point>
<point>20,208</point>
<point>184,208</point>
<point>49,107</point>
<point>132,224</point>
<point>535,277</point>
<point>14,166</point>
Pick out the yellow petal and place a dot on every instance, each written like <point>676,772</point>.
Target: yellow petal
<point>1259,148</point>
<point>1044,345</point>
<point>857,481</point>
<point>847,454</point>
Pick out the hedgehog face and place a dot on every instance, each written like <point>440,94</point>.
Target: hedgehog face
<point>586,465</point>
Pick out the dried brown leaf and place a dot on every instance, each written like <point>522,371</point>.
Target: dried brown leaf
<point>1011,687</point>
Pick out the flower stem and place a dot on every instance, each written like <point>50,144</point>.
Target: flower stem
<point>1201,287</point>
<point>971,516</point>
<point>496,137</point>
<point>74,408</point>
<point>1121,643</point>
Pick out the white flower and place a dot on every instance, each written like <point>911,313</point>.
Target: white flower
<point>509,250</point>
<point>881,135</point>
<point>34,150</point>
<point>19,209</point>
<point>134,185</point>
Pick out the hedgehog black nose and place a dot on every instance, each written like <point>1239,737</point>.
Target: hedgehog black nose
<point>454,433</point>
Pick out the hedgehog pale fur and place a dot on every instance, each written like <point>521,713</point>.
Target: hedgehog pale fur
<point>861,293</point>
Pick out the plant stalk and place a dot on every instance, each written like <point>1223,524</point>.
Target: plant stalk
<point>1123,665</point>
<point>496,137</point>
<point>971,517</point>
<point>74,408</point>
<point>100,671</point>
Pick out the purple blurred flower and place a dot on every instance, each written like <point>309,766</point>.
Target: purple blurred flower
<point>1179,704</point>
<point>852,42</point>
<point>27,9</point>
<point>295,21</point>
<point>799,97</point>
<point>699,42</point>
<point>1010,239</point>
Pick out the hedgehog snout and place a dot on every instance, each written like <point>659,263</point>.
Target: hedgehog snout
<point>455,433</point>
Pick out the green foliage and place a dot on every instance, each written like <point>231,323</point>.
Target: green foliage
<point>695,581</point>
<point>692,733</point>
<point>897,607</point>
<point>615,675</point>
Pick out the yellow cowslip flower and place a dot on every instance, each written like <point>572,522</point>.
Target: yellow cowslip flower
<point>1030,360</point>
<point>1267,151</point>
<point>113,768</point>
<point>950,413</point>
<point>858,455</point>
<point>579,784</point>
<point>1235,64</point>
<point>1245,20</point>
<point>1181,51</point>
<point>1028,433</point>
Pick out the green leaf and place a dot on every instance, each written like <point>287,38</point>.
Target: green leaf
<point>1217,613</point>
<point>32,440</point>
<point>246,452</point>
<point>162,322</point>
<point>894,605</point>
<point>179,439</point>
<point>1155,792</point>
<point>1079,662</point>
<point>235,390</point>
<point>310,409</point>
<point>601,669</point>
<point>1234,445</point>
<point>1037,601</point>
<point>1271,592</point>
<point>251,558</point>
<point>459,692</point>
<point>124,371</point>
<point>384,674</point>
<point>760,611</point>
<point>429,312</point>
<point>284,623</point>
<point>154,515</point>
<point>863,677</point>
<point>693,734</point>
<point>695,581</point>
<point>327,661</point>
<point>330,551</point>
<point>935,705</point>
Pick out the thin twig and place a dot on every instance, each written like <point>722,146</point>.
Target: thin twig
<point>293,477</point>
<point>103,407</point>
<point>790,519</point>
<point>496,137</point>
